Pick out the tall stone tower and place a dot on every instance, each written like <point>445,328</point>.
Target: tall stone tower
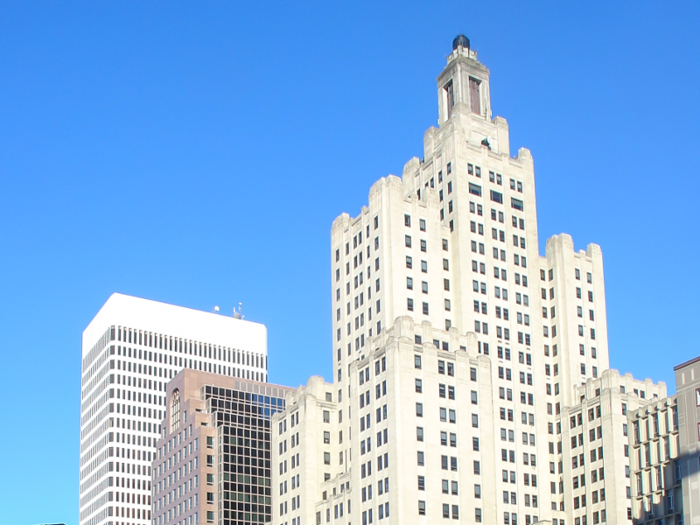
<point>459,352</point>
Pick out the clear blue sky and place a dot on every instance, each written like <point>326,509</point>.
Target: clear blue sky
<point>197,153</point>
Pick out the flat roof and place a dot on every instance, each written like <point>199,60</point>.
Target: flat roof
<point>683,365</point>
<point>177,321</point>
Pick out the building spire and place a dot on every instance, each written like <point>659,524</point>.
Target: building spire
<point>463,85</point>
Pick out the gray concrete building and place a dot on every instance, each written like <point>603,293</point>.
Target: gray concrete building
<point>688,402</point>
<point>654,463</point>
<point>665,454</point>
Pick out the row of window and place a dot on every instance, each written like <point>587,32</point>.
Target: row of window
<point>655,425</point>
<point>496,215</point>
<point>577,274</point>
<point>494,177</point>
<point>659,478</point>
<point>183,346</point>
<point>497,197</point>
<point>659,455</point>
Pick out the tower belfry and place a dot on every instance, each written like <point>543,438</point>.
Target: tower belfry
<point>463,86</point>
<point>464,99</point>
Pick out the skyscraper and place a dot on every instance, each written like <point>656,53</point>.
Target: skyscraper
<point>460,353</point>
<point>131,349</point>
<point>454,242</point>
<point>212,463</point>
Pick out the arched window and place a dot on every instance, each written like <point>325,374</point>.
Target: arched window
<point>175,411</point>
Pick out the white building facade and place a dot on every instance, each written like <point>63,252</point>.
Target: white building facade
<point>131,349</point>
<point>656,464</point>
<point>592,459</point>
<point>459,352</point>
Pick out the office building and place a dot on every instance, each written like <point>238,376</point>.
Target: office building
<point>131,349</point>
<point>460,354</point>
<point>665,453</point>
<point>688,402</point>
<point>655,467</point>
<point>212,464</point>
<point>594,476</point>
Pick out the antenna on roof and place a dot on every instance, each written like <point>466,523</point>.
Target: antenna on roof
<point>238,314</point>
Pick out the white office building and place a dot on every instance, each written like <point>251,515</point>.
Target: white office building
<point>131,349</point>
<point>460,354</point>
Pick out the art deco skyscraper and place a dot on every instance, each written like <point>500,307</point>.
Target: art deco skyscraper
<point>454,242</point>
<point>460,354</point>
<point>131,349</point>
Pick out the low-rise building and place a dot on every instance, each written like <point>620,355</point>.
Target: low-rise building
<point>688,402</point>
<point>654,464</point>
<point>593,463</point>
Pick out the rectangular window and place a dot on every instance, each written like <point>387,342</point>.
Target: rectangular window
<point>475,95</point>
<point>449,98</point>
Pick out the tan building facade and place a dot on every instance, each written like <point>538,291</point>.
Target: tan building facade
<point>212,464</point>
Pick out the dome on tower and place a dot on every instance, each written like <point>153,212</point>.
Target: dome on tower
<point>461,40</point>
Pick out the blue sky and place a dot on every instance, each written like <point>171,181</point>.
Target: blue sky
<point>197,153</point>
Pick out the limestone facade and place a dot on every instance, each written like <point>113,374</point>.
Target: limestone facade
<point>442,268</point>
